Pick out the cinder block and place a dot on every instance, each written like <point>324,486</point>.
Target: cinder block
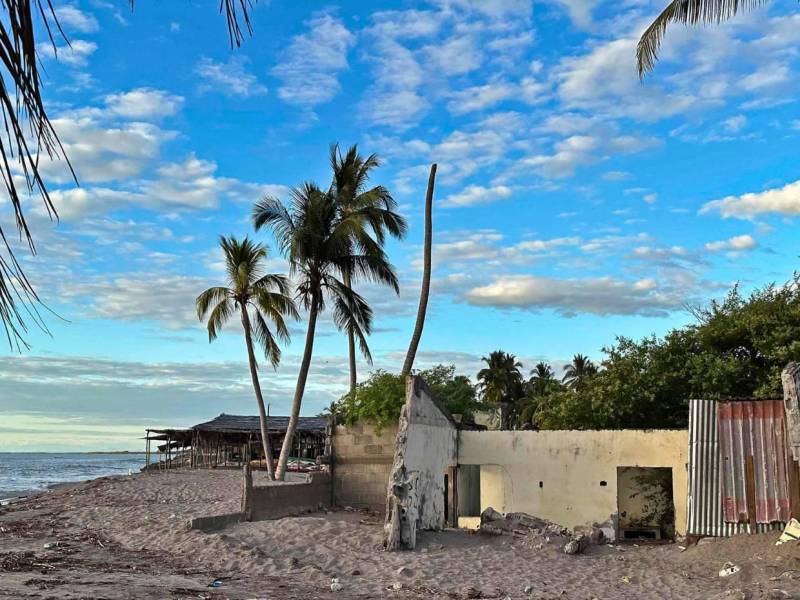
<point>373,449</point>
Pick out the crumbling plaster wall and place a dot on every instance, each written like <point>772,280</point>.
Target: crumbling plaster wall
<point>426,445</point>
<point>570,466</point>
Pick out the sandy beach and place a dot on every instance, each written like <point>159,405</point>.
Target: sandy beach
<point>127,537</point>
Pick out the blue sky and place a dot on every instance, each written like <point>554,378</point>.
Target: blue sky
<point>574,202</point>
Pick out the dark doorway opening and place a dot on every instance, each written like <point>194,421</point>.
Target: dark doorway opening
<point>644,503</point>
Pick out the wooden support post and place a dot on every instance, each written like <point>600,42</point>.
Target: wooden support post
<point>147,453</point>
<point>452,496</point>
<point>750,490</point>
<point>794,487</point>
<point>247,492</point>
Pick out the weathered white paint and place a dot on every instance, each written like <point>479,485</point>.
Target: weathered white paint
<point>570,466</point>
<point>426,447</point>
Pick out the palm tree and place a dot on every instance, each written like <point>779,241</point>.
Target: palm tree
<point>426,277</point>
<point>542,379</point>
<point>259,298</point>
<point>500,383</point>
<point>578,371</point>
<point>688,12</point>
<point>322,242</point>
<point>30,138</point>
<point>377,207</point>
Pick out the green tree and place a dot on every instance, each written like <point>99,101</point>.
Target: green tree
<point>260,298</point>
<point>500,383</point>
<point>736,348</point>
<point>380,398</point>
<point>376,207</point>
<point>322,242</point>
<point>578,371</point>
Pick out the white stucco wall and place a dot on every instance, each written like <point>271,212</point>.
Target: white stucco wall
<point>430,449</point>
<point>570,466</point>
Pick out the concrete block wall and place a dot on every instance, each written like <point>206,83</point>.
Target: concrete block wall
<point>362,462</point>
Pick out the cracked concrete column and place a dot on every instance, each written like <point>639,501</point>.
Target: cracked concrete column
<point>790,377</point>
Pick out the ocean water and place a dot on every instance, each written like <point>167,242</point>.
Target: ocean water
<point>22,473</point>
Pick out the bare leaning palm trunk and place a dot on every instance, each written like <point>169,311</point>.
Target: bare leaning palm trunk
<point>351,347</point>
<point>426,277</point>
<point>262,413</point>
<point>302,376</point>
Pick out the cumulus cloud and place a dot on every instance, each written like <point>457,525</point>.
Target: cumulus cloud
<point>76,54</point>
<point>230,78</point>
<point>738,243</point>
<point>477,194</point>
<point>783,201</point>
<point>143,104</point>
<point>308,70</point>
<point>72,18</point>
<point>600,295</point>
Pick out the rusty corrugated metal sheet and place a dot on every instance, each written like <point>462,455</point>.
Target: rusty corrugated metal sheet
<point>704,501</point>
<point>758,429</point>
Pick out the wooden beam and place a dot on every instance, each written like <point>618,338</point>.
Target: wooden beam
<point>750,490</point>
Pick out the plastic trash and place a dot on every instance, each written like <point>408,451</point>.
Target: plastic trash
<point>791,532</point>
<point>335,585</point>
<point>216,583</point>
<point>729,569</point>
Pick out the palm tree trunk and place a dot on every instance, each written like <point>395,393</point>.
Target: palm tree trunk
<point>302,376</point>
<point>351,347</point>
<point>426,278</point>
<point>262,413</point>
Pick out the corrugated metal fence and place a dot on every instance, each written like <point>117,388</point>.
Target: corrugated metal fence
<point>705,494</point>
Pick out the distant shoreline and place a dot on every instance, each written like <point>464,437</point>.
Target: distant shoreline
<point>73,452</point>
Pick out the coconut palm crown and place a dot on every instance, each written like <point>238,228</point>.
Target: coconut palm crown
<point>322,243</point>
<point>260,298</point>
<point>374,205</point>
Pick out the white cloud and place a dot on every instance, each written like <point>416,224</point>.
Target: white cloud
<point>579,11</point>
<point>735,124</point>
<point>76,54</point>
<point>309,68</point>
<point>600,295</point>
<point>784,201</point>
<point>229,78</point>
<point>476,194</point>
<point>72,18</point>
<point>103,153</point>
<point>456,56</point>
<point>737,243</point>
<point>480,97</point>
<point>143,103</point>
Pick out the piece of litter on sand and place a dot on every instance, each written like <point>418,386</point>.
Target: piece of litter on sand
<point>528,589</point>
<point>397,586</point>
<point>729,569</point>
<point>791,533</point>
<point>335,585</point>
<point>626,579</point>
<point>405,572</point>
<point>681,548</point>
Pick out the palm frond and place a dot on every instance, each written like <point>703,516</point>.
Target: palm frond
<point>276,307</point>
<point>688,12</point>
<point>270,212</point>
<point>265,339</point>
<point>351,313</point>
<point>219,316</point>
<point>212,296</point>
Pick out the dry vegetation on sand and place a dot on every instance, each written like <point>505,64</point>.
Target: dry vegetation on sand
<point>127,538</point>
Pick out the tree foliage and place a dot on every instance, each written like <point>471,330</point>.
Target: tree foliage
<point>736,348</point>
<point>379,399</point>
